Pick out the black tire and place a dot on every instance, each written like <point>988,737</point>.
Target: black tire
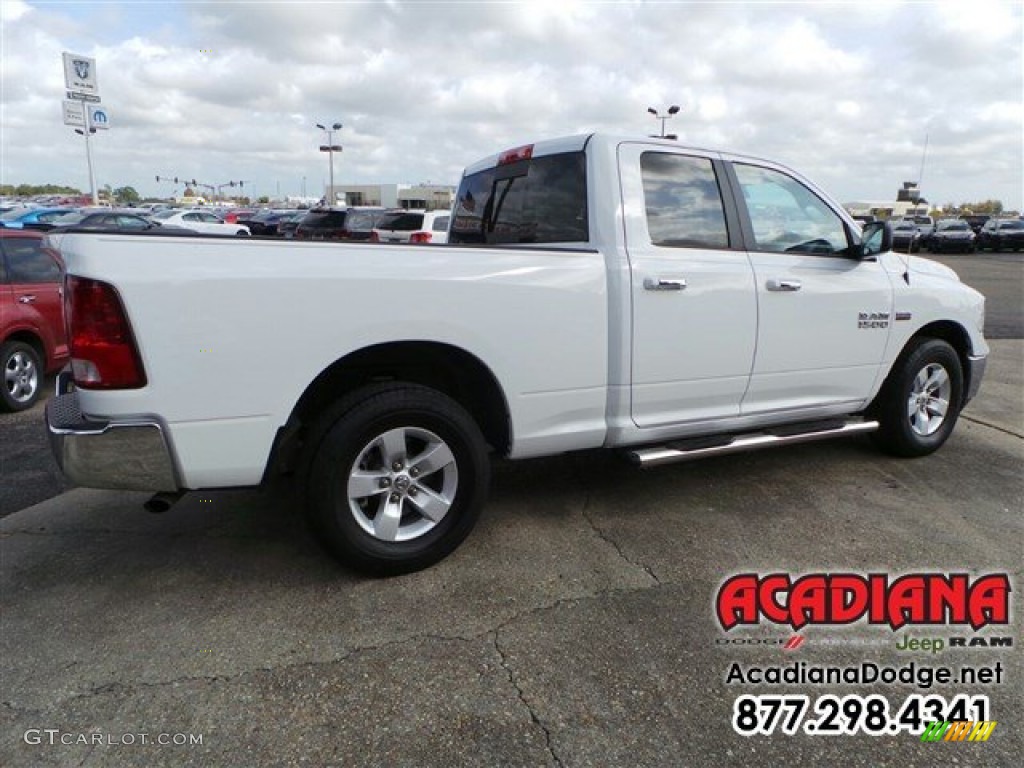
<point>912,421</point>
<point>388,531</point>
<point>23,375</point>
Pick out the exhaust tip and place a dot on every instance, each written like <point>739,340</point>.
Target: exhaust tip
<point>161,502</point>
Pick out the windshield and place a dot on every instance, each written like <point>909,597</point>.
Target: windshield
<point>953,226</point>
<point>164,214</point>
<point>1011,225</point>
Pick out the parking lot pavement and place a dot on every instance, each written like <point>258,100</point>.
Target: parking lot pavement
<point>575,627</point>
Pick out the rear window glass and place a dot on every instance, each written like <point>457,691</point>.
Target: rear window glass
<point>323,219</point>
<point>401,222</point>
<point>541,200</point>
<point>361,220</point>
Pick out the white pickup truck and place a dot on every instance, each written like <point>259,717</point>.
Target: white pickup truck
<point>635,294</point>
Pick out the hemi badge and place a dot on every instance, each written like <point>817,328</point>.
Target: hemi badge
<point>903,316</point>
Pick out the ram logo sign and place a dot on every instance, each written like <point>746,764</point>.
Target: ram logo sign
<point>80,75</point>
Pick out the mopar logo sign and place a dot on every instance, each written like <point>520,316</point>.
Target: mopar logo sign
<point>98,117</point>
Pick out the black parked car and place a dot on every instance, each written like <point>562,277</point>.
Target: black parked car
<point>120,221</point>
<point>906,236</point>
<point>925,229</point>
<point>265,222</point>
<point>952,235</point>
<point>287,225</point>
<point>1001,235</point>
<point>339,223</point>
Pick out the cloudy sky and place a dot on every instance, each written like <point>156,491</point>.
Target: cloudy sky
<point>847,93</point>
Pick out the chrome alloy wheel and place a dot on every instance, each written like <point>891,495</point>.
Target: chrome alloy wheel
<point>21,377</point>
<point>929,399</point>
<point>402,484</point>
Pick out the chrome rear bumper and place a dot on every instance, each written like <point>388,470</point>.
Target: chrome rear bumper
<point>129,454</point>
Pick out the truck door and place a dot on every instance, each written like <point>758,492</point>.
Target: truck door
<point>823,316</point>
<point>694,311</point>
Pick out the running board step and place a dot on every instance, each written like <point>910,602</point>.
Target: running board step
<point>719,445</point>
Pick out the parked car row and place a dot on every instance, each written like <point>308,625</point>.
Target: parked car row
<point>374,224</point>
<point>962,235</point>
<point>362,223</point>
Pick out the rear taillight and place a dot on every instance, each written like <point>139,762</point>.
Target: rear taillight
<point>103,350</point>
<point>420,237</point>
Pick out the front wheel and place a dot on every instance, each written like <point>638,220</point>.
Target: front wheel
<point>919,403</point>
<point>398,480</point>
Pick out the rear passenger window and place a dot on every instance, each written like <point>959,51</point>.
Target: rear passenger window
<point>535,200</point>
<point>683,201</point>
<point>28,263</point>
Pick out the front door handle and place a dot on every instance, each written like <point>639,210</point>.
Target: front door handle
<point>783,285</point>
<point>28,298</point>
<point>661,284</point>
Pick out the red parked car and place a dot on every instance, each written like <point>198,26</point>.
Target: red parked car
<point>33,341</point>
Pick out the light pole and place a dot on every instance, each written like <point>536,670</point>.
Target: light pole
<point>672,112</point>
<point>330,148</point>
<point>88,157</point>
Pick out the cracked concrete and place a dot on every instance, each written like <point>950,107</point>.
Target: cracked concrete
<point>525,701</point>
<point>574,627</point>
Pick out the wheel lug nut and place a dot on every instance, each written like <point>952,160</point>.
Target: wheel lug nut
<point>413,491</point>
<point>397,466</point>
<point>385,482</point>
<point>395,498</point>
<point>414,472</point>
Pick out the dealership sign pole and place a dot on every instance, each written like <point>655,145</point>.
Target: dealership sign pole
<point>80,80</point>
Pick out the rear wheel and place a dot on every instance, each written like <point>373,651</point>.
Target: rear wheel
<point>919,403</point>
<point>398,480</point>
<point>22,376</point>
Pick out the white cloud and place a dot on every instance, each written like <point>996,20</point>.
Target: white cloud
<point>843,92</point>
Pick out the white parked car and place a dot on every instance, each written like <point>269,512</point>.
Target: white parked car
<point>200,221</point>
<point>413,227</point>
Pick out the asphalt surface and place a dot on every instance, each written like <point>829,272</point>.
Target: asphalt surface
<point>575,627</point>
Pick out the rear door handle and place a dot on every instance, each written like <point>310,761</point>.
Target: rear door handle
<point>661,284</point>
<point>783,285</point>
<point>28,298</point>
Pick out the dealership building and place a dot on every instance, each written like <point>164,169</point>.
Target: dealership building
<point>430,197</point>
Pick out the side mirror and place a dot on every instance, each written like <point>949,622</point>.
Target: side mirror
<point>875,238</point>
